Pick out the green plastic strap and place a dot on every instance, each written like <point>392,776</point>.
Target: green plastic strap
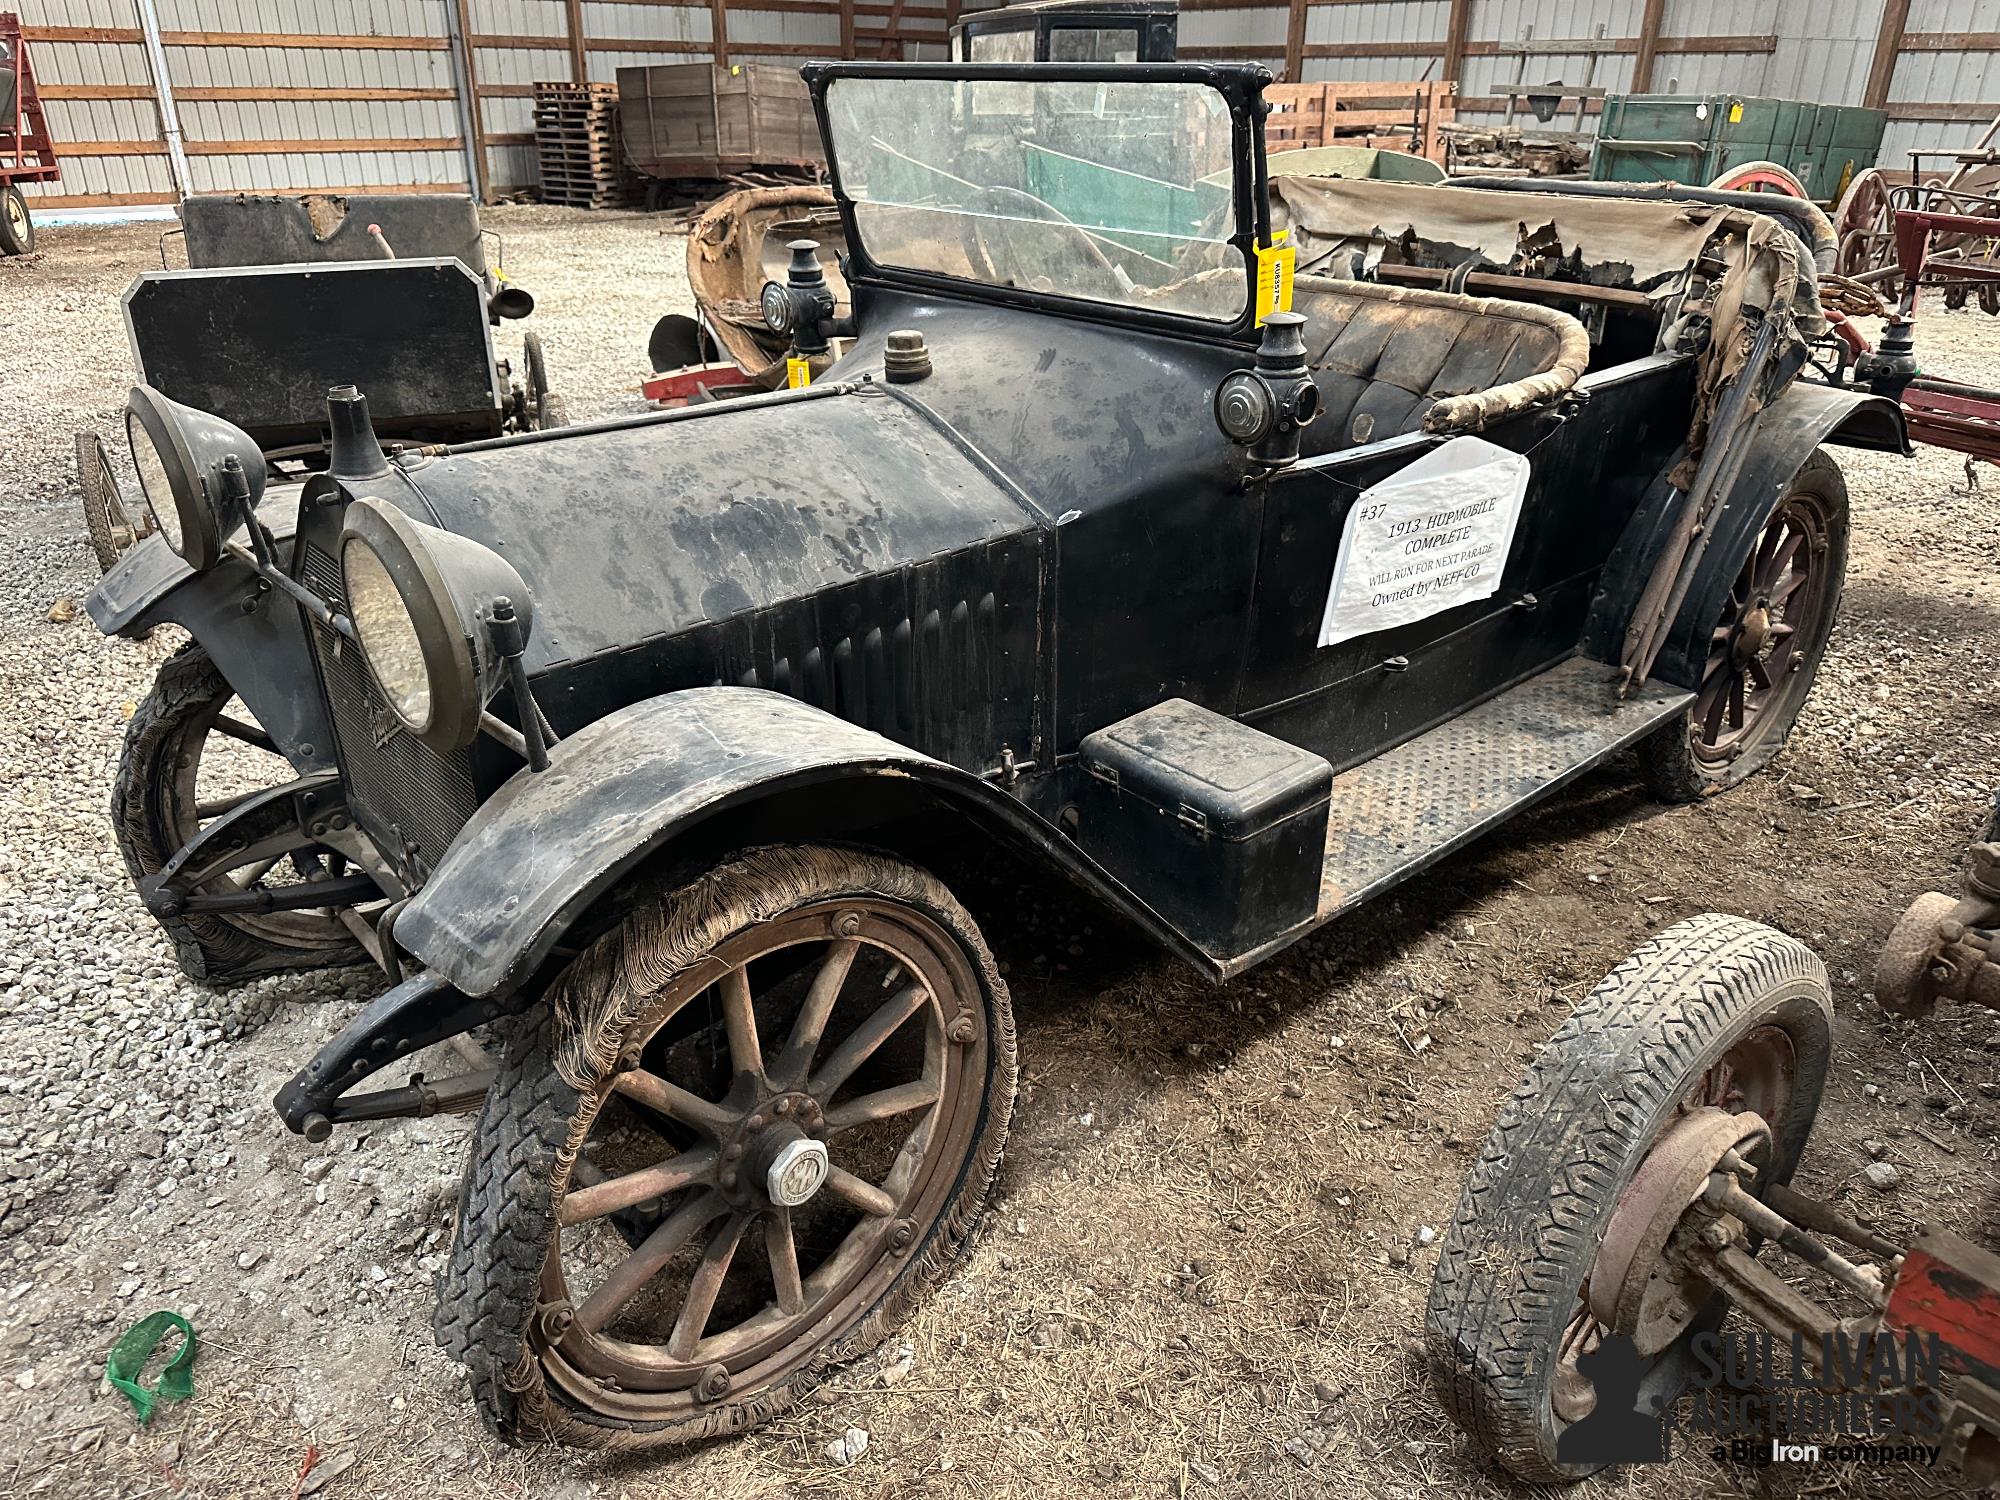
<point>128,1360</point>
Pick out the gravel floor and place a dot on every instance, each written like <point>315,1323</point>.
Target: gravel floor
<point>1204,1270</point>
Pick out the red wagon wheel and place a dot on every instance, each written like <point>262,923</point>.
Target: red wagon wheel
<point>1761,177</point>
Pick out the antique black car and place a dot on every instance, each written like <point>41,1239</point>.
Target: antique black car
<point>632,741</point>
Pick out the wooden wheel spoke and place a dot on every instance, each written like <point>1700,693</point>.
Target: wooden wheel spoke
<point>1715,702</point>
<point>885,1104</point>
<point>1736,701</point>
<point>783,1253</point>
<point>705,1286</point>
<point>865,1196</point>
<point>607,1195</point>
<point>1758,676</point>
<point>811,1023</point>
<point>867,1039</point>
<point>1783,588</point>
<point>739,1017</point>
<point>646,1262</point>
<point>673,1101</point>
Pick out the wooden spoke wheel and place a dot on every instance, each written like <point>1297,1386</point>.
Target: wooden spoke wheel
<point>1762,177</point>
<point>110,524</point>
<point>1765,648</point>
<point>191,755</point>
<point>1714,1036</point>
<point>1865,221</point>
<point>774,1102</point>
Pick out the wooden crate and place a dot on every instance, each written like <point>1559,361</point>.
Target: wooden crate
<point>1394,116</point>
<point>700,120</point>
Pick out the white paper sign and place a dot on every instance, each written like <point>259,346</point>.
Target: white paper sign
<point>1435,535</point>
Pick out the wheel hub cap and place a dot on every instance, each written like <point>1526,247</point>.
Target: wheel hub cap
<point>1755,631</point>
<point>797,1171</point>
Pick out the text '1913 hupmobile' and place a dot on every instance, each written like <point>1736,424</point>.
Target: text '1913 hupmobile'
<point>632,741</point>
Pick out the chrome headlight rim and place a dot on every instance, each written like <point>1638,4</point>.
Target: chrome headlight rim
<point>450,670</point>
<point>193,517</point>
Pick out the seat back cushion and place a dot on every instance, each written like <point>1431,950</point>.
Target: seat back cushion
<point>1383,356</point>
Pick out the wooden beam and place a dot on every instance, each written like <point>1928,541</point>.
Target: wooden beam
<point>847,28</point>
<point>1371,49</point>
<point>114,148</point>
<point>1617,46</point>
<point>1455,27</point>
<point>1951,41</point>
<point>247,94</point>
<point>367,146</point>
<point>1888,43</point>
<point>131,35</point>
<point>579,66</point>
<point>718,26</point>
<point>1295,43</point>
<point>97,200</point>
<point>890,27</point>
<point>475,126</point>
<point>1942,112</point>
<point>1649,46</point>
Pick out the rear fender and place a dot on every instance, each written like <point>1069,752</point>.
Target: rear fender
<point>1803,417</point>
<point>645,784</point>
<point>255,636</point>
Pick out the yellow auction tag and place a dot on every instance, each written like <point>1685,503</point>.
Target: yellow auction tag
<point>1735,114</point>
<point>798,373</point>
<point>1275,265</point>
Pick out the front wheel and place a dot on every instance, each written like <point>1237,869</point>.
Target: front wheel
<point>748,1130</point>
<point>1714,1036</point>
<point>1764,648</point>
<point>17,226</point>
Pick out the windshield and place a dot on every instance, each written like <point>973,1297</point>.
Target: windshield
<point>1115,192</point>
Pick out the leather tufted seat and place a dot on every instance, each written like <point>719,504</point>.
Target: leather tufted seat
<point>1384,356</point>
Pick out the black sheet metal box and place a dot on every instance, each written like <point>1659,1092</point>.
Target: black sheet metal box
<point>1220,827</point>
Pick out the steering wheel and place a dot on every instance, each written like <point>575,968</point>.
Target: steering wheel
<point>1022,243</point>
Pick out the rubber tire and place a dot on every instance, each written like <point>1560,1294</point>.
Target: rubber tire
<point>1567,1141</point>
<point>1665,758</point>
<point>488,1287</point>
<point>209,949</point>
<point>15,240</point>
<point>104,513</point>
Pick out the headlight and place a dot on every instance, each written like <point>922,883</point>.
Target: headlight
<point>776,305</point>
<point>419,597</point>
<point>179,454</point>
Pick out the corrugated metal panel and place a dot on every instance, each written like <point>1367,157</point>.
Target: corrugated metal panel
<point>86,63</point>
<point>1235,28</point>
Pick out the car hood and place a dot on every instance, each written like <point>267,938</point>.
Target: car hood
<point>628,532</point>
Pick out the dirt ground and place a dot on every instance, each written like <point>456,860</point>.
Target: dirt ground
<point>1201,1272</point>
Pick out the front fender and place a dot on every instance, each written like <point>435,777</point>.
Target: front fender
<point>544,848</point>
<point>1803,417</point>
<point>255,636</point>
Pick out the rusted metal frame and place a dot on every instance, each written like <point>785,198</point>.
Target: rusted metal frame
<point>1950,1288</point>
<point>579,62</point>
<point>1295,41</point>
<point>1498,285</point>
<point>1727,1194</point>
<point>1649,45</point>
<point>1759,1294</point>
<point>718,31</point>
<point>1824,1218</point>
<point>1888,44</point>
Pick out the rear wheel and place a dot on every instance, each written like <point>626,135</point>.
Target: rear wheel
<point>110,525</point>
<point>1766,646</point>
<point>751,1127</point>
<point>17,227</point>
<point>189,756</point>
<point>1713,1036</point>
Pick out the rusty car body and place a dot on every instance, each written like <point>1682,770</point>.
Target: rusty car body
<point>631,741</point>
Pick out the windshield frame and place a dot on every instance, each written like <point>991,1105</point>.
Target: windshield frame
<point>1241,87</point>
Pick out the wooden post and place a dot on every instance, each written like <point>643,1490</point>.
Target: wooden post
<point>847,28</point>
<point>475,125</point>
<point>1649,46</point>
<point>1455,28</point>
<point>1888,42</point>
<point>1295,43</point>
<point>579,66</point>
<point>719,24</point>
<point>891,31</point>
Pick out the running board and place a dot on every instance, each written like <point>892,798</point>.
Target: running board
<point>1396,815</point>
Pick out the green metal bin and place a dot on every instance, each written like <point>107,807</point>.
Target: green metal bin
<point>1695,138</point>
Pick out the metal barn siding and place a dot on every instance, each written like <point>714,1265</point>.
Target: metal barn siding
<point>99,96</point>
<point>1520,42</point>
<point>1942,98</point>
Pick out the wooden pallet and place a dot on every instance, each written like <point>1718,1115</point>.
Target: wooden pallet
<point>576,146</point>
<point>1392,116</point>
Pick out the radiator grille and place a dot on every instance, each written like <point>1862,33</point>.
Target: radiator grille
<point>408,798</point>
